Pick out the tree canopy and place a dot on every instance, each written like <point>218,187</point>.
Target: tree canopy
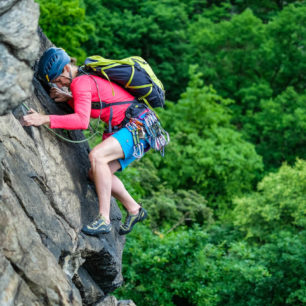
<point>227,203</point>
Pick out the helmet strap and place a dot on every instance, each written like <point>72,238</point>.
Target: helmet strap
<point>70,74</point>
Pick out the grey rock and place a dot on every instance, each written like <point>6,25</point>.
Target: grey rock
<point>45,196</point>
<point>15,80</point>
<point>6,5</point>
<point>112,301</point>
<point>46,180</point>
<point>13,289</point>
<point>126,303</point>
<point>19,46</point>
<point>32,261</point>
<point>44,42</point>
<point>2,154</point>
<point>108,301</point>
<point>18,30</point>
<point>89,290</point>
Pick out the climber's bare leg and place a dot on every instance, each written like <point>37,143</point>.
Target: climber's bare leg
<point>121,194</point>
<point>104,163</point>
<point>100,157</point>
<point>118,190</point>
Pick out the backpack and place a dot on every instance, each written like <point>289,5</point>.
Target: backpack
<point>132,73</point>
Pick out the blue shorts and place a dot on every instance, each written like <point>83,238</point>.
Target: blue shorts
<point>125,138</point>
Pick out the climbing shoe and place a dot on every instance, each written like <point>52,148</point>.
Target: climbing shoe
<point>131,220</point>
<point>96,227</point>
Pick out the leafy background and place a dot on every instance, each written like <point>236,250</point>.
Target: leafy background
<point>227,203</point>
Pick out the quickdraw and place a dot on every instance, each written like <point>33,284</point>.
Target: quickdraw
<point>134,126</point>
<point>156,136</point>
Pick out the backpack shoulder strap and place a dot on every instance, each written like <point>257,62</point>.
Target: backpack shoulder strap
<point>97,105</point>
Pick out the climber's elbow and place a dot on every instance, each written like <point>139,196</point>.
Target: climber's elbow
<point>84,125</point>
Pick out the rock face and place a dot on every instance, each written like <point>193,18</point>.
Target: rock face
<point>45,196</point>
<point>19,45</point>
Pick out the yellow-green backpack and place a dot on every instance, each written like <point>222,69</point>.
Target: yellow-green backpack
<point>132,73</point>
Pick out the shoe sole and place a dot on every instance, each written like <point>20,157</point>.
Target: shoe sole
<point>96,232</point>
<point>121,232</point>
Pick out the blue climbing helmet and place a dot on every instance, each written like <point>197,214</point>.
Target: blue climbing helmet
<point>52,63</point>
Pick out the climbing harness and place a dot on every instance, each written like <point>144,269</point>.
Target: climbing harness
<point>144,126</point>
<point>148,128</point>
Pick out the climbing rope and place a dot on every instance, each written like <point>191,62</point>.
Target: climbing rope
<point>62,137</point>
<point>97,125</point>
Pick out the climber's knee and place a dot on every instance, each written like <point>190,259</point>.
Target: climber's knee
<point>106,152</point>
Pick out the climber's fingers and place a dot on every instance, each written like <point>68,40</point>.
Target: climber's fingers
<point>59,95</point>
<point>34,118</point>
<point>31,111</point>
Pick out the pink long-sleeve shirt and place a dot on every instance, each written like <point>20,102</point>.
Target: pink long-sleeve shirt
<point>84,91</point>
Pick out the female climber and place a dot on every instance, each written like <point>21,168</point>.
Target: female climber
<point>126,124</point>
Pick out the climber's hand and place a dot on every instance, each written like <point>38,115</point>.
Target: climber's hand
<point>34,118</point>
<point>59,95</point>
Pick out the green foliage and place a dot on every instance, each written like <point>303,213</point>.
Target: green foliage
<point>206,153</point>
<point>249,52</point>
<point>252,62</point>
<point>174,208</point>
<point>155,265</point>
<point>229,53</point>
<point>167,208</point>
<point>185,267</point>
<point>252,57</point>
<point>154,30</point>
<point>265,10</point>
<point>279,128</point>
<point>220,10</point>
<point>216,267</point>
<point>65,25</point>
<point>284,256</point>
<point>279,204</point>
<point>286,37</point>
<point>95,126</point>
<point>241,53</point>
<point>132,179</point>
